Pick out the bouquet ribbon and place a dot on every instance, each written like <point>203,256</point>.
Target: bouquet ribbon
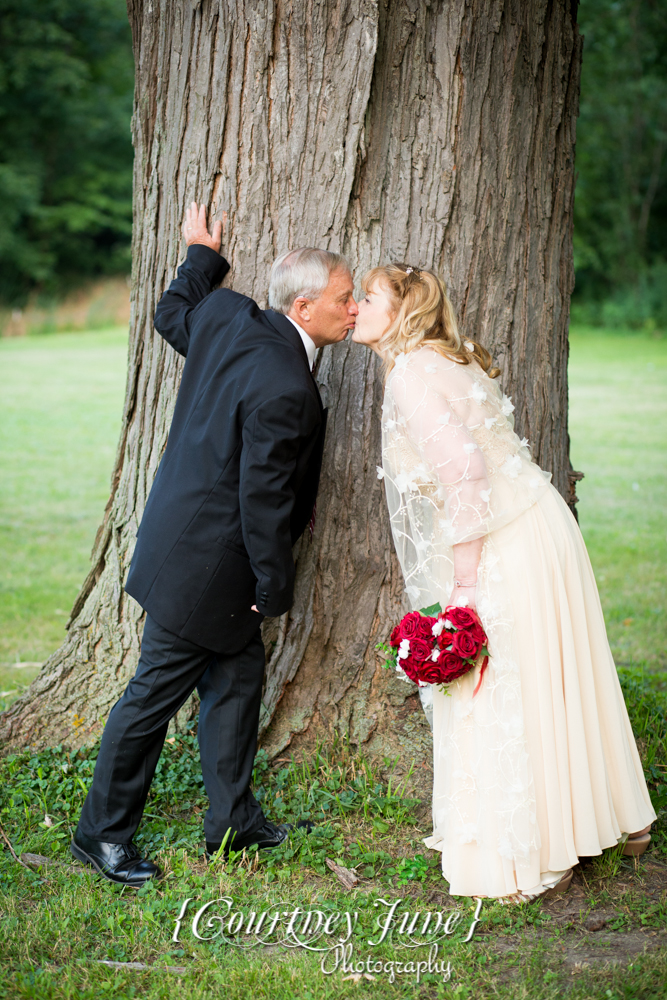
<point>478,685</point>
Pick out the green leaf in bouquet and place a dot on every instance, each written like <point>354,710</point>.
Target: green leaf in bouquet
<point>389,652</point>
<point>431,611</point>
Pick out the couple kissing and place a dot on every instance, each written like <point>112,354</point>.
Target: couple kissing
<point>537,769</point>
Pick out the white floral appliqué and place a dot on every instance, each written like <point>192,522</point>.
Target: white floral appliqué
<point>512,466</point>
<point>403,483</point>
<point>380,471</point>
<point>507,406</point>
<point>478,393</point>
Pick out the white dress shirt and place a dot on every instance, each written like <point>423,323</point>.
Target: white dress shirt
<point>307,342</point>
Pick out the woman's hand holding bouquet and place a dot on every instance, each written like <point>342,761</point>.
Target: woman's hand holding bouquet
<point>432,646</point>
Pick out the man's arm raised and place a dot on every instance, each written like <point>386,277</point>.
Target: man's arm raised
<point>201,271</point>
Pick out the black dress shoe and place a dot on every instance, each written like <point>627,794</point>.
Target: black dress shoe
<point>266,836</point>
<point>121,863</point>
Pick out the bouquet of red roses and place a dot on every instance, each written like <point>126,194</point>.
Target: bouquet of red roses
<point>432,646</point>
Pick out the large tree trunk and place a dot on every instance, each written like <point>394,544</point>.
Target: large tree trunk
<point>441,134</point>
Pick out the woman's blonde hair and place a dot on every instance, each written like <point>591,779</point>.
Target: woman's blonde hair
<point>423,315</point>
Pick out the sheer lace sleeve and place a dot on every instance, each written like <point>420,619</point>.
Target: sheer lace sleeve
<point>453,467</point>
<point>448,450</point>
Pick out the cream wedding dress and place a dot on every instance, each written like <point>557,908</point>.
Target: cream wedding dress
<point>540,767</point>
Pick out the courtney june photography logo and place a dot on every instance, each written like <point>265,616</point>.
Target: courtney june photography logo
<point>334,934</point>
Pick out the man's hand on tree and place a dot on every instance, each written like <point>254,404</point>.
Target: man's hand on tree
<point>195,229</point>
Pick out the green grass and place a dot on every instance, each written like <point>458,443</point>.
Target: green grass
<point>618,427</point>
<point>59,923</point>
<point>60,402</point>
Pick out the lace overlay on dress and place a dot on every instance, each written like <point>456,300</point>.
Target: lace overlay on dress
<point>481,761</point>
<point>455,470</point>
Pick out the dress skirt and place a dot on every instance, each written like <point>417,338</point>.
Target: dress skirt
<point>539,767</point>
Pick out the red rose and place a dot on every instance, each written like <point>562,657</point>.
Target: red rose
<point>452,666</point>
<point>395,636</point>
<point>461,617</point>
<point>425,630</point>
<point>420,650</point>
<point>478,634</point>
<point>445,639</point>
<point>410,626</point>
<point>466,645</point>
<point>432,673</point>
<point>410,668</point>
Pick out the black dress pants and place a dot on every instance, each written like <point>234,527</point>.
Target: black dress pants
<point>230,689</point>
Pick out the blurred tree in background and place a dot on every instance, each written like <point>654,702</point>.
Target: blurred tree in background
<point>66,84</point>
<point>620,237</point>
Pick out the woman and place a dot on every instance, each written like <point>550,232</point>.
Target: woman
<point>540,766</point>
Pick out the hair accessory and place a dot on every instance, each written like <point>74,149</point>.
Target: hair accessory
<point>411,270</point>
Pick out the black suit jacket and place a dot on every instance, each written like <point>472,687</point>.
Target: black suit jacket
<point>238,480</point>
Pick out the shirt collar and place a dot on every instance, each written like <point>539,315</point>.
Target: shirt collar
<point>307,342</point>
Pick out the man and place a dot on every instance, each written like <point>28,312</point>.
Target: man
<point>235,489</point>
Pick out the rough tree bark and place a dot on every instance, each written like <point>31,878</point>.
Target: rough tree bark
<point>439,133</point>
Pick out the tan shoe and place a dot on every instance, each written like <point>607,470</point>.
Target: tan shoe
<point>524,896</point>
<point>562,885</point>
<point>637,843</point>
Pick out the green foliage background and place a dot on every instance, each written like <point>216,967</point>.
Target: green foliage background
<point>66,85</point>
<point>66,81</point>
<point>620,234</point>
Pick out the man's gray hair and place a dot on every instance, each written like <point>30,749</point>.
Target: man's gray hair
<point>305,272</point>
